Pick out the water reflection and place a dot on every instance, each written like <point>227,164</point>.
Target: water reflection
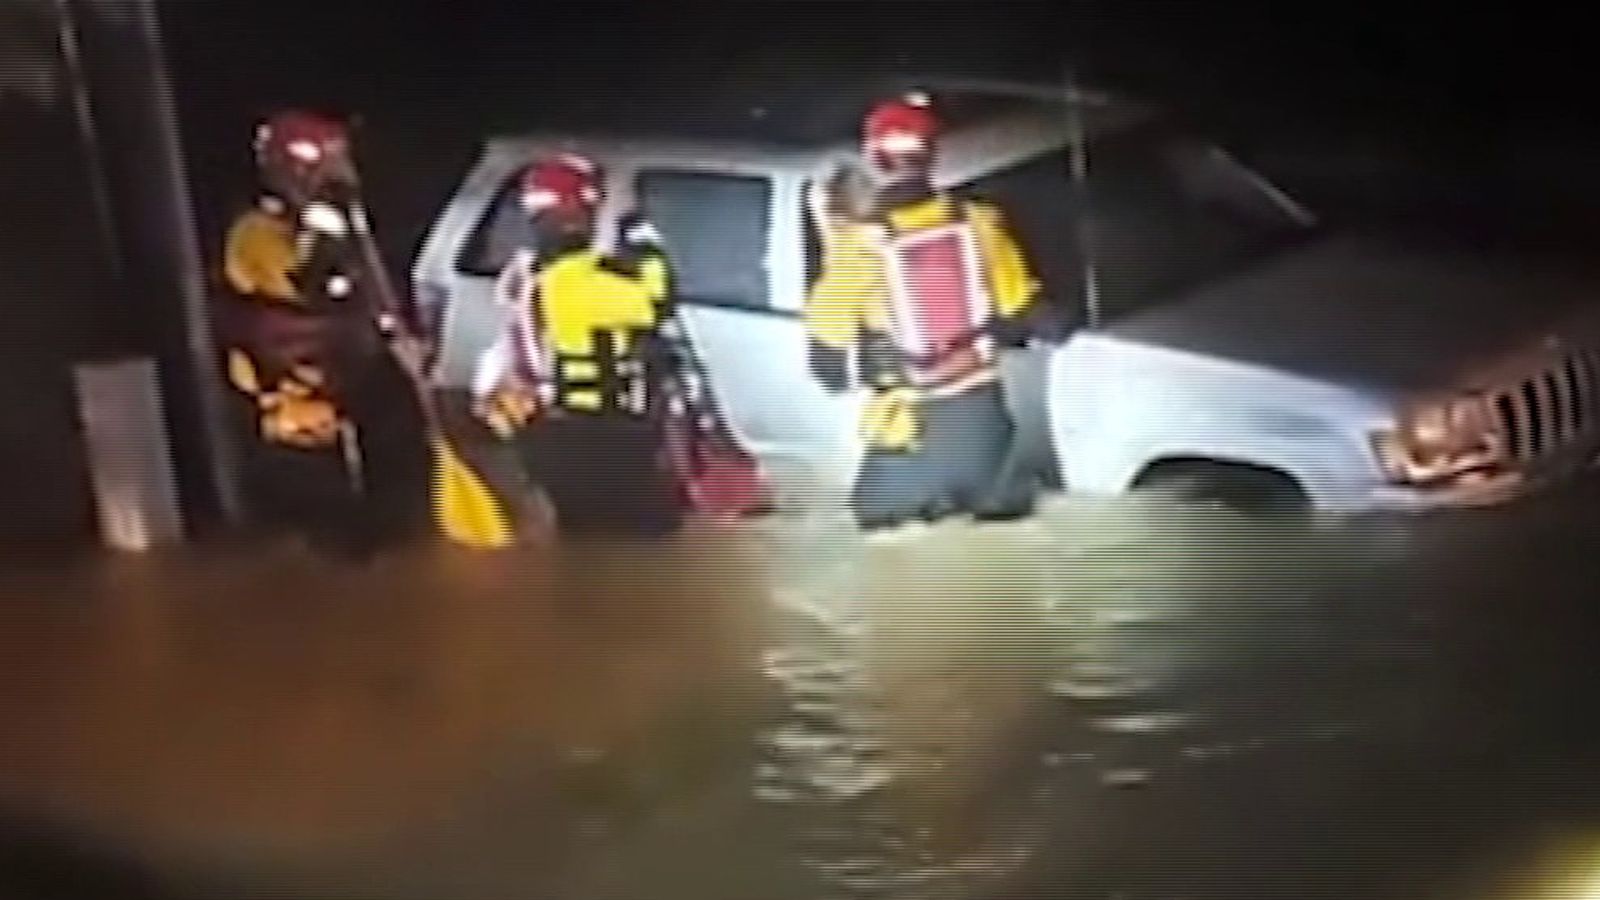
<point>1110,698</point>
<point>957,702</point>
<point>318,723</point>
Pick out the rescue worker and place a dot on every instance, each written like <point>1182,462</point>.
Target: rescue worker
<point>922,291</point>
<point>571,378</point>
<point>338,450</point>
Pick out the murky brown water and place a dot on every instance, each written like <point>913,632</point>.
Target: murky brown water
<point>1109,700</point>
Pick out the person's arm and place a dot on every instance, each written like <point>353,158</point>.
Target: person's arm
<point>505,391</point>
<point>634,288</point>
<point>326,250</point>
<point>258,260</point>
<point>642,255</point>
<point>505,362</point>
<point>256,263</point>
<point>492,369</point>
<point>852,276</point>
<point>628,314</point>
<point>1015,289</point>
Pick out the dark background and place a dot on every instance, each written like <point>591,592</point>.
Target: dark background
<point>1502,97</point>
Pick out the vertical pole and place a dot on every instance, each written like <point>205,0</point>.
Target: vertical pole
<point>1079,150</point>
<point>134,111</point>
<point>89,136</point>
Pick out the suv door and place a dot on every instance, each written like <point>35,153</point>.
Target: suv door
<point>1042,209</point>
<point>472,319</point>
<point>732,238</point>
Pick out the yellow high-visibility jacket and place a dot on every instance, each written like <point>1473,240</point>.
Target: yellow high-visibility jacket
<point>261,255</point>
<point>851,301</point>
<point>852,295</point>
<point>585,300</point>
<point>273,333</point>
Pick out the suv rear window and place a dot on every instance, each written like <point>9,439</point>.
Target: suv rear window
<point>715,227</point>
<point>503,229</point>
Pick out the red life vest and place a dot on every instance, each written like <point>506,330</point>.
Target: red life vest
<point>939,303</point>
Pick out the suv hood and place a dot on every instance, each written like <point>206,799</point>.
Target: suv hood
<point>1373,314</point>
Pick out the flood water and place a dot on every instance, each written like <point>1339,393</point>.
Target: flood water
<point>1109,700</point>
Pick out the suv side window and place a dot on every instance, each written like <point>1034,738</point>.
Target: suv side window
<point>500,232</point>
<point>716,228</point>
<point>1169,215</point>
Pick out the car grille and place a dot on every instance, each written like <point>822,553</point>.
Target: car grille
<point>1552,410</point>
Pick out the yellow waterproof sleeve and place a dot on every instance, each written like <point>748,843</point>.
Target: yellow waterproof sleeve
<point>1011,280</point>
<point>259,257</point>
<point>851,286</point>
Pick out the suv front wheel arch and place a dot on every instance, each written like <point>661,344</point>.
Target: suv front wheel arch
<point>1242,487</point>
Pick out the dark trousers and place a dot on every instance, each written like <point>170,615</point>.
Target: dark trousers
<point>965,464</point>
<point>383,501</point>
<point>604,473</point>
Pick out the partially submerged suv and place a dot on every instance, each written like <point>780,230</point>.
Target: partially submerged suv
<point>1216,337</point>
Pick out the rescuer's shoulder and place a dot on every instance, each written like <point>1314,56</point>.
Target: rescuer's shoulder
<point>244,222</point>
<point>614,277</point>
<point>983,211</point>
<point>859,237</point>
<point>255,224</point>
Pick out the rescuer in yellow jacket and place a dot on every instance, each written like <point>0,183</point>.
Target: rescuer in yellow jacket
<point>337,446</point>
<point>572,378</point>
<point>923,291</point>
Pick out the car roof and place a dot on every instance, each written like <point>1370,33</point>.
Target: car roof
<point>514,150</point>
<point>981,122</point>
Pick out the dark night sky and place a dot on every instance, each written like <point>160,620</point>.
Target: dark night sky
<point>1346,57</point>
<point>436,76</point>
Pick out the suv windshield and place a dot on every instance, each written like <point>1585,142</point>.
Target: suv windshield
<point>1172,212</point>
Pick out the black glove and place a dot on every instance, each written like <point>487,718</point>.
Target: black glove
<point>1041,321</point>
<point>637,235</point>
<point>326,275</point>
<point>882,364</point>
<point>657,352</point>
<point>637,240</point>
<point>829,365</point>
<point>1009,332</point>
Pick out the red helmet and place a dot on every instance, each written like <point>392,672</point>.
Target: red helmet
<point>900,128</point>
<point>300,140</point>
<point>567,183</point>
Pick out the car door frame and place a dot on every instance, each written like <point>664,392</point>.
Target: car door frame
<point>810,427</point>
